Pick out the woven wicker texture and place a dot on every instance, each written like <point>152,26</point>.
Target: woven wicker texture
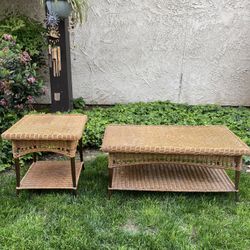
<point>47,127</point>
<point>50,175</point>
<point>23,147</point>
<point>213,161</point>
<point>172,178</point>
<point>207,140</point>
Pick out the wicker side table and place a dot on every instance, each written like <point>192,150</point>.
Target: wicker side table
<point>173,158</point>
<point>48,133</point>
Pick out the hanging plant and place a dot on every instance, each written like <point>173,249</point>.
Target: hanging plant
<point>56,10</point>
<point>65,8</point>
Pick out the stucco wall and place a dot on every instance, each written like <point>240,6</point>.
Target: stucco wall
<point>193,51</point>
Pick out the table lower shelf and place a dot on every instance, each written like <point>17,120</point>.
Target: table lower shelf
<point>171,178</point>
<point>50,175</point>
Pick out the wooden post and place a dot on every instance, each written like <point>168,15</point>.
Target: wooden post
<point>61,86</point>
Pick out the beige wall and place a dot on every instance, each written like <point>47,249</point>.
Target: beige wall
<point>192,51</point>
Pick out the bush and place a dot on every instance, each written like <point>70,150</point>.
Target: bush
<point>19,82</point>
<point>7,119</point>
<point>156,113</point>
<point>19,85</point>
<point>30,34</point>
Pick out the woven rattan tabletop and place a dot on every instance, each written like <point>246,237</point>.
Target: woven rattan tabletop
<point>200,140</point>
<point>47,127</point>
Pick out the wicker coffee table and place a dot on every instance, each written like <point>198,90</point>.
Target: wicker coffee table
<point>173,158</point>
<point>51,133</point>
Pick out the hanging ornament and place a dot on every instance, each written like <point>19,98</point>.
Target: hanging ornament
<point>54,49</point>
<point>52,19</point>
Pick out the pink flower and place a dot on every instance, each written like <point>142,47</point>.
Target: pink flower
<point>3,102</point>
<point>8,92</point>
<point>30,99</point>
<point>31,79</point>
<point>19,106</point>
<point>2,85</point>
<point>25,57</point>
<point>7,37</point>
<point>45,90</point>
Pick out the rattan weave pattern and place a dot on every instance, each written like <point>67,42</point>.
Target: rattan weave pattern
<point>50,175</point>
<point>172,178</point>
<point>47,127</point>
<point>196,140</point>
<point>210,161</point>
<point>23,147</point>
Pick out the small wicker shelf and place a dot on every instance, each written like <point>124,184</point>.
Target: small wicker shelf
<point>172,178</point>
<point>50,175</point>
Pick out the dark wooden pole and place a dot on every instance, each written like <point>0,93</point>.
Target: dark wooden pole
<point>61,87</point>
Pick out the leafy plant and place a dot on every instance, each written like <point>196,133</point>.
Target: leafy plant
<point>29,33</point>
<point>78,9</point>
<point>79,104</point>
<point>19,85</point>
<point>19,82</point>
<point>7,119</point>
<point>156,113</point>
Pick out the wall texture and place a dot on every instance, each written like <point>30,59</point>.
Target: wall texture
<point>193,51</point>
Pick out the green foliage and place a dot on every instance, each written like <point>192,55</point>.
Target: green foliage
<point>30,34</point>
<point>19,85</point>
<point>19,81</point>
<point>237,119</point>
<point>6,120</point>
<point>79,104</point>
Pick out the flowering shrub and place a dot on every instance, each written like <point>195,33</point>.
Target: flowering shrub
<point>29,33</point>
<point>19,82</point>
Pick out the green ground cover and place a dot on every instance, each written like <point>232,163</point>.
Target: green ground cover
<point>237,119</point>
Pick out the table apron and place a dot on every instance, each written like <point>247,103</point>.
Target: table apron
<point>211,161</point>
<point>23,147</point>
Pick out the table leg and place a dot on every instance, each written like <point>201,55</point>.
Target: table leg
<point>237,181</point>
<point>17,168</point>
<point>238,162</point>
<point>110,181</point>
<point>73,172</point>
<point>80,152</point>
<point>34,157</point>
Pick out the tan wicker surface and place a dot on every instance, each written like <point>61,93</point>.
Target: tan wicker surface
<point>200,140</point>
<point>53,133</point>
<point>173,158</point>
<point>210,161</point>
<point>50,175</point>
<point>173,178</point>
<point>47,127</point>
